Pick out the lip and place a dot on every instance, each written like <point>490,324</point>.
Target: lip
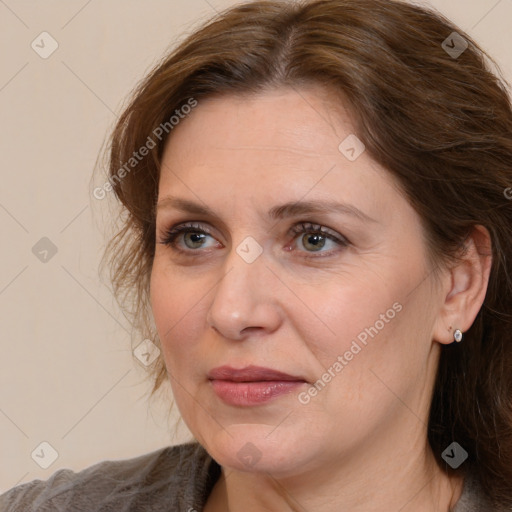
<point>251,373</point>
<point>252,385</point>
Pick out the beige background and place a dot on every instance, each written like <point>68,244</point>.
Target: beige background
<point>67,375</point>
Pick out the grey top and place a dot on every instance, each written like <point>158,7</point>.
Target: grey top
<point>172,479</point>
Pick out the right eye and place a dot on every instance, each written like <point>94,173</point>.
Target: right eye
<point>193,237</point>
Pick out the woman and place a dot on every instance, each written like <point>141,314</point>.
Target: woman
<point>318,220</point>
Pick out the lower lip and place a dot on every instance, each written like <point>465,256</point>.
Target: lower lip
<point>252,393</point>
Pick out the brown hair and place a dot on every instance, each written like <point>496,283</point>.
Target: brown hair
<point>441,124</point>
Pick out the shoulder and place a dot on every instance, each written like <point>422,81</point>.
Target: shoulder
<point>474,499</point>
<point>170,478</point>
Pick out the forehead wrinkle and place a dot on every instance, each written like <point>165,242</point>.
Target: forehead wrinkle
<point>295,151</point>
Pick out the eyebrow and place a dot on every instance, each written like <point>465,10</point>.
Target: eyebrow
<point>290,209</point>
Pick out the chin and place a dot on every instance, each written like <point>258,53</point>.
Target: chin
<point>260,448</point>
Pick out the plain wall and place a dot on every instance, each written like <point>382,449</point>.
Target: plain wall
<point>67,374</point>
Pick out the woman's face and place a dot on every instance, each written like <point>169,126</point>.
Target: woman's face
<point>352,309</point>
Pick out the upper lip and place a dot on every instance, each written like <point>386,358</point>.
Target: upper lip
<point>250,374</point>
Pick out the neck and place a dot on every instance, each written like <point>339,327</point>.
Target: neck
<point>417,485</point>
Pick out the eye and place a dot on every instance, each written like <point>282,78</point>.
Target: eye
<point>187,238</point>
<point>195,239</point>
<point>315,237</point>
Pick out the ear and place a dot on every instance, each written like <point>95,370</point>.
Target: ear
<point>464,286</point>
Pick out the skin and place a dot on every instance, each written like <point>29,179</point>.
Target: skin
<point>360,444</point>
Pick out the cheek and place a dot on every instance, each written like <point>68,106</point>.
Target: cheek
<point>360,327</point>
<point>347,312</point>
<point>377,353</point>
<point>176,306</point>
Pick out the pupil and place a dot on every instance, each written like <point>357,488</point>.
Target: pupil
<point>195,237</point>
<point>318,242</point>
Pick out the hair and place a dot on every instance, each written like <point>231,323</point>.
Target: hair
<point>440,124</point>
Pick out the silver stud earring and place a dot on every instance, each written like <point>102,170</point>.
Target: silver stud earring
<point>457,334</point>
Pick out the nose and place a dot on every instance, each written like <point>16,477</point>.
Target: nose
<point>246,300</point>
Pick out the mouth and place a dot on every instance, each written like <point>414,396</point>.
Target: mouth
<point>252,385</point>
<point>252,374</point>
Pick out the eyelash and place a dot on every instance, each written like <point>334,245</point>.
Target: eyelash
<point>172,234</point>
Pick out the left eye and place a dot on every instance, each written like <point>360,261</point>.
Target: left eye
<point>314,237</point>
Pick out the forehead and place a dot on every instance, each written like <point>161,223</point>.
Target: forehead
<point>283,143</point>
<point>289,122</point>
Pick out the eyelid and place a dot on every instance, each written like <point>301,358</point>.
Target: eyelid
<point>200,226</point>
<point>307,227</point>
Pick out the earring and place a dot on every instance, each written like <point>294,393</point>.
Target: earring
<point>457,334</point>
